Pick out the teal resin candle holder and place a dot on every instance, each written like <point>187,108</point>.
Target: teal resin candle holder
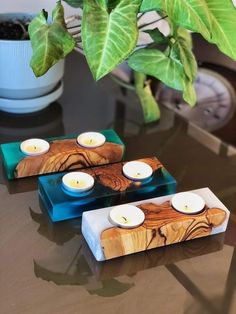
<point>111,187</point>
<point>64,154</point>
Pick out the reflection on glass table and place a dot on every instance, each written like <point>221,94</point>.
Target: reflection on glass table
<point>46,267</point>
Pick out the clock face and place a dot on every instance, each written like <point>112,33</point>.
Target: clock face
<point>215,101</point>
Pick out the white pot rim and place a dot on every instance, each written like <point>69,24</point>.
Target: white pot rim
<point>11,16</point>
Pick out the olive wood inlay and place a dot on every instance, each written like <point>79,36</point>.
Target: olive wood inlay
<point>112,176</point>
<point>162,226</point>
<point>68,155</point>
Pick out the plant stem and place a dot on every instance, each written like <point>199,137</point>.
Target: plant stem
<point>153,22</point>
<point>122,83</point>
<point>25,33</point>
<point>141,46</point>
<point>141,15</point>
<point>75,26</point>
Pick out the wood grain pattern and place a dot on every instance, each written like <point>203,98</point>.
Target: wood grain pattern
<point>162,226</point>
<point>112,176</point>
<point>134,263</point>
<point>68,155</point>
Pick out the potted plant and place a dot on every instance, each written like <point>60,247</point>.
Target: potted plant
<point>20,90</point>
<point>109,32</point>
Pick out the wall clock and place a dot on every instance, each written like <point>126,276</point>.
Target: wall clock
<point>216,99</point>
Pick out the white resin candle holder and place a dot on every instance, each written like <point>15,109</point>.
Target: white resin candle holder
<point>163,225</point>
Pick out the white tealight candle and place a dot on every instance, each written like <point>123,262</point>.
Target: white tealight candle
<point>34,147</point>
<point>137,170</point>
<point>77,182</point>
<point>188,203</point>
<point>126,216</point>
<point>91,139</point>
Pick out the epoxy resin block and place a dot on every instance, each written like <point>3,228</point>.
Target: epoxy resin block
<point>64,153</point>
<point>111,187</point>
<point>162,226</point>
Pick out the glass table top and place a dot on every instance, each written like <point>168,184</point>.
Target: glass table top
<point>48,268</point>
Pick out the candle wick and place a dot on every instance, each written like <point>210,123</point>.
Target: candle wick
<point>124,218</point>
<point>35,147</point>
<point>77,181</point>
<point>138,173</point>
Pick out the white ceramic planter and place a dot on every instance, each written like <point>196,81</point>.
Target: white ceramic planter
<point>17,80</point>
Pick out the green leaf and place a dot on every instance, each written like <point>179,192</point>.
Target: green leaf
<point>149,104</point>
<point>50,42</point>
<point>182,51</point>
<point>108,37</point>
<point>214,19</point>
<point>156,36</point>
<point>75,3</point>
<point>155,63</point>
<point>150,5</point>
<point>223,23</point>
<point>166,68</point>
<point>182,48</point>
<point>189,93</point>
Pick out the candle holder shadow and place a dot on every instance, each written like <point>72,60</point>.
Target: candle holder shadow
<point>64,154</point>
<point>111,188</point>
<point>162,226</point>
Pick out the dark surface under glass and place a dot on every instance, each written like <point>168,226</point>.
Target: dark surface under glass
<point>47,268</point>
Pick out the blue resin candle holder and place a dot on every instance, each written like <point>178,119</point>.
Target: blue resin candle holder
<point>63,154</point>
<point>111,187</point>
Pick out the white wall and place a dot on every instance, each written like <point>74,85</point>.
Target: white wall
<point>31,6</point>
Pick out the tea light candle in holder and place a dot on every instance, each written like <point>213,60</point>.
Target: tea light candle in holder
<point>77,182</point>
<point>126,216</point>
<point>137,170</point>
<point>188,203</point>
<point>34,147</point>
<point>91,139</point>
